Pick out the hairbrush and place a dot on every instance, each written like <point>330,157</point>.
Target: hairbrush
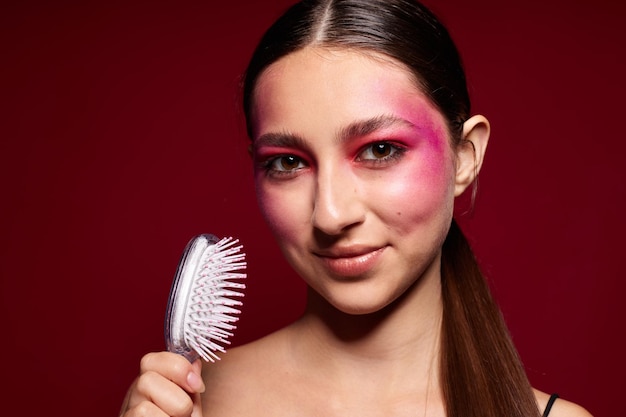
<point>203,300</point>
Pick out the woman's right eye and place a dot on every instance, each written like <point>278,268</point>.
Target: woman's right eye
<point>284,164</point>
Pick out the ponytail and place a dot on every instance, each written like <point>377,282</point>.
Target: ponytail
<point>481,372</point>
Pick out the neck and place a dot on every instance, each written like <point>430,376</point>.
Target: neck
<point>398,342</point>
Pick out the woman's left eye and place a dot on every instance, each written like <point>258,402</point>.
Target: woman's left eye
<point>380,151</point>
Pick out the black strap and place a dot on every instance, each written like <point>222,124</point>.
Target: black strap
<point>551,401</point>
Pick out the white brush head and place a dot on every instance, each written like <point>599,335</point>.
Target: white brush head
<point>201,310</point>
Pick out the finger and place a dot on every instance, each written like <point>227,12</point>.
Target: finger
<point>152,387</point>
<point>175,368</point>
<point>194,378</point>
<point>197,405</point>
<point>145,409</point>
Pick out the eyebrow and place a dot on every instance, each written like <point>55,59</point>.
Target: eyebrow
<point>356,129</point>
<point>365,127</point>
<point>281,140</point>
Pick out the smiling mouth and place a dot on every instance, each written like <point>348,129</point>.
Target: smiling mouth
<point>351,264</point>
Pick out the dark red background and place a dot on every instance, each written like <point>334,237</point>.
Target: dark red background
<point>120,139</point>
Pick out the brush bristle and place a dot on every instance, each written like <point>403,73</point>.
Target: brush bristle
<point>205,296</point>
<point>213,299</point>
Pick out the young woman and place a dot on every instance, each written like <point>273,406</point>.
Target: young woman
<point>361,138</point>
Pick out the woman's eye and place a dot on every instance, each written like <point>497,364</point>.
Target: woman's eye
<point>285,163</point>
<point>379,151</point>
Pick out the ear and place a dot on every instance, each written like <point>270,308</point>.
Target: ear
<point>471,151</point>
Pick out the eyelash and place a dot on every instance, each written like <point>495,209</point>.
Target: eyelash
<point>395,152</point>
<point>270,165</point>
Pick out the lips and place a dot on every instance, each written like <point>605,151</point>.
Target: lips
<point>351,262</point>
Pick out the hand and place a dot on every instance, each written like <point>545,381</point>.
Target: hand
<point>168,385</point>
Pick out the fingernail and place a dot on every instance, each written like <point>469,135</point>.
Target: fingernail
<point>195,382</point>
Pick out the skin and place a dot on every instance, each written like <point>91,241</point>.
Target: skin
<point>356,176</point>
<point>358,227</point>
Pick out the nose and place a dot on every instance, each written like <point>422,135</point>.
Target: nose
<point>337,205</point>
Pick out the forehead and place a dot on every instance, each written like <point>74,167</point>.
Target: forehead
<point>336,86</point>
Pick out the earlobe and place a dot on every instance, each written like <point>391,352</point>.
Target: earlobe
<point>471,152</point>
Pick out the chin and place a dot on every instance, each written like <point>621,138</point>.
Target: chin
<point>358,299</point>
<point>359,310</point>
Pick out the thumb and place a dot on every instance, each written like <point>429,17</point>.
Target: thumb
<point>194,378</point>
<point>197,405</point>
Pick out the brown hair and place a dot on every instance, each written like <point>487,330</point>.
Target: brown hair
<point>481,373</point>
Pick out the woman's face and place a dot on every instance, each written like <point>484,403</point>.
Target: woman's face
<point>354,174</point>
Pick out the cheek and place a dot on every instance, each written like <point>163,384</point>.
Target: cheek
<point>423,189</point>
<point>282,211</point>
<point>269,205</point>
<point>426,183</point>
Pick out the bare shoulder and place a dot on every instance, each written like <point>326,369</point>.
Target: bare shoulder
<point>244,381</point>
<point>561,407</point>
